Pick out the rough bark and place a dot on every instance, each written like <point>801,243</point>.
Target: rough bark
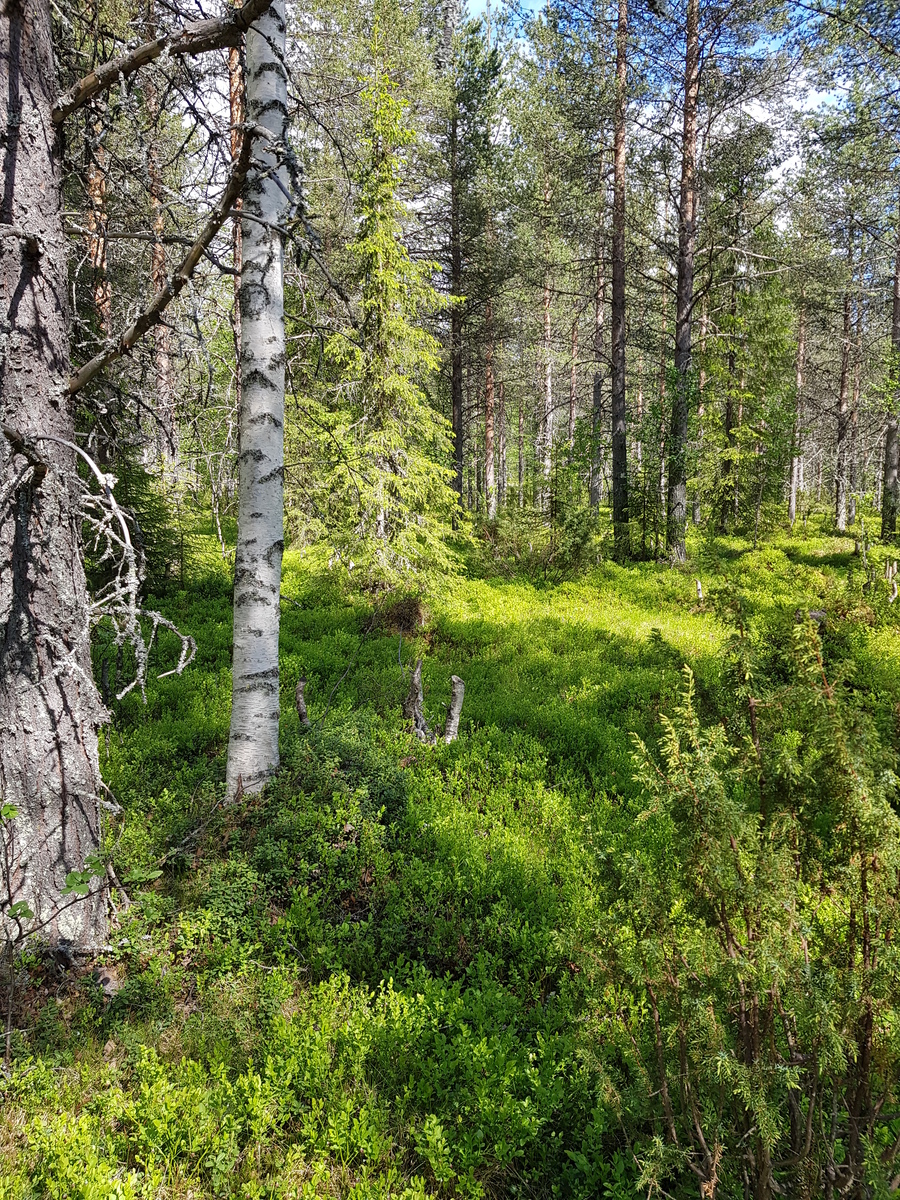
<point>797,450</point>
<point>97,221</point>
<point>490,485</point>
<point>843,425</point>
<point>521,463</point>
<point>501,440</point>
<point>622,541</point>
<point>676,515</point>
<point>300,703</point>
<point>853,466</point>
<point>597,397</point>
<point>890,491</point>
<point>573,384</point>
<point>546,426</point>
<point>456,356</point>
<point>255,709</point>
<point>164,375</point>
<point>50,710</point>
<point>236,112</point>
<point>729,466</point>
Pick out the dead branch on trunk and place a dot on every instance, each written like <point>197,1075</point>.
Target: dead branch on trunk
<point>173,286</point>
<point>196,37</point>
<point>118,601</point>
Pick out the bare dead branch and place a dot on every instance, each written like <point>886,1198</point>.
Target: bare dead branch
<point>173,286</point>
<point>192,39</point>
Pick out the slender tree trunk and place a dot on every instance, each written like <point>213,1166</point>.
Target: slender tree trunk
<point>164,378</point>
<point>573,384</point>
<point>701,412</point>
<point>853,471</point>
<point>501,429</point>
<point>546,436</point>
<point>490,487</point>
<point>97,222</point>
<point>797,454</point>
<point>840,471</point>
<point>456,359</point>
<point>676,516</point>
<point>622,540</point>
<point>597,399</point>
<point>890,489</point>
<point>521,463</point>
<point>253,740</point>
<point>50,711</point>
<point>729,466</point>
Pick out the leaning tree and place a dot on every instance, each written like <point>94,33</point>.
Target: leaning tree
<point>50,709</point>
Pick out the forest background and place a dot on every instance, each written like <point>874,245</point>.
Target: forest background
<point>581,329</point>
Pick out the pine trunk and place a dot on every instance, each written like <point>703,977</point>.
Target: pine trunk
<point>50,711</point>
<point>797,455</point>
<point>546,435</point>
<point>890,490</point>
<point>501,439</point>
<point>619,412</point>
<point>843,423</point>
<point>676,515</point>
<point>490,484</point>
<point>236,112</point>
<point>597,397</point>
<point>456,360</point>
<point>253,739</point>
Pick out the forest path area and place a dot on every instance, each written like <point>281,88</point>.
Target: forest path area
<point>389,976</point>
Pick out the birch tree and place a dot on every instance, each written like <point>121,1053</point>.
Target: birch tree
<point>253,738</point>
<point>50,709</point>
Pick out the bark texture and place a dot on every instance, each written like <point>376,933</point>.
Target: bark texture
<point>50,710</point>
<point>253,738</point>
<point>456,359</point>
<point>597,392</point>
<point>890,493</point>
<point>843,425</point>
<point>797,452</point>
<point>617,324</point>
<point>676,514</point>
<point>490,486</point>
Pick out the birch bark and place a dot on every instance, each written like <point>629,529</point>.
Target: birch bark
<point>253,738</point>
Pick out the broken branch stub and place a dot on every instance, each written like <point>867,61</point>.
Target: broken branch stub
<point>451,727</point>
<point>414,709</point>
<point>414,706</point>
<point>300,701</point>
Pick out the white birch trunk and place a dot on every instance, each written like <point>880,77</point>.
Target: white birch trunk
<point>253,739</point>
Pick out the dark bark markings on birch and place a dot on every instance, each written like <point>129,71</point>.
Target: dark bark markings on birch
<point>253,737</point>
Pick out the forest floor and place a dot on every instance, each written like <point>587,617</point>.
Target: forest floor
<point>384,977</point>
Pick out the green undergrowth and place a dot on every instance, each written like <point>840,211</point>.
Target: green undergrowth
<point>391,975</point>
